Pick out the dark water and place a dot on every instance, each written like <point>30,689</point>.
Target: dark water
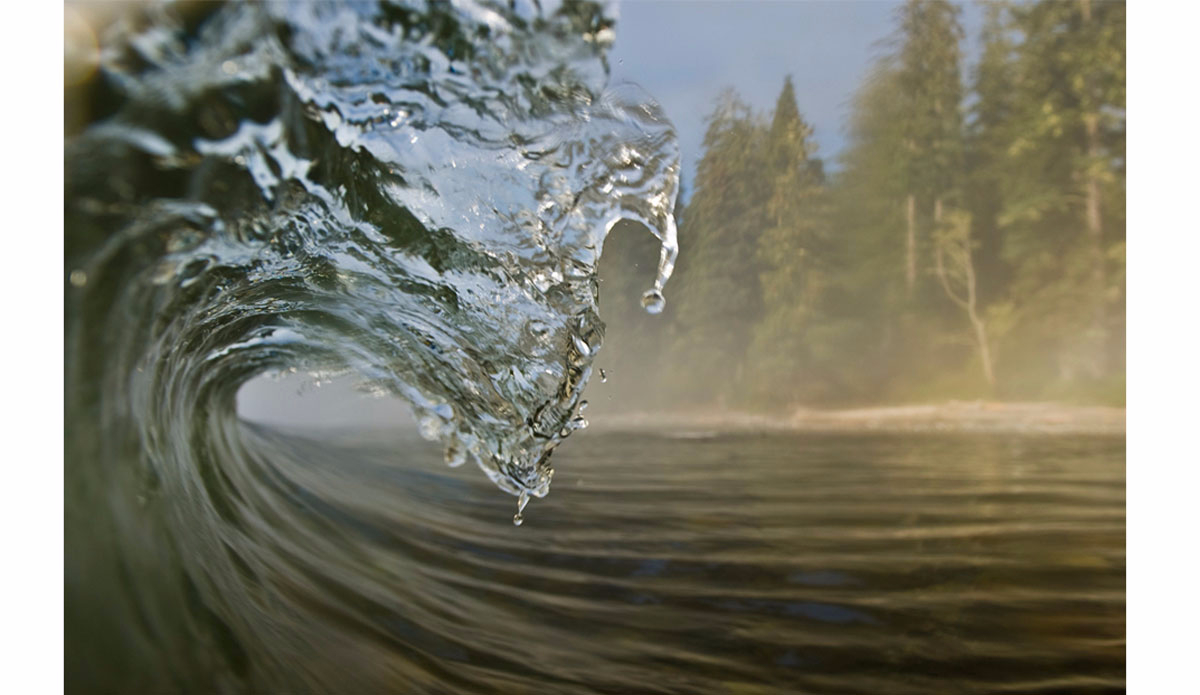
<point>733,564</point>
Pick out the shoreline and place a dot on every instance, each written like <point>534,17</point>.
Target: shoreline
<point>981,417</point>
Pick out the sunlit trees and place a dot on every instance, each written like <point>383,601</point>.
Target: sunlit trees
<point>1063,188</point>
<point>955,270</point>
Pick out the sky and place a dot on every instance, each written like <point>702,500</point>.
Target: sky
<point>685,52</point>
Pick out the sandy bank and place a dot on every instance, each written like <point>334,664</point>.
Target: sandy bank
<point>955,416</point>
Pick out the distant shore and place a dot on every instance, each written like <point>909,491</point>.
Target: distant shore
<point>953,416</point>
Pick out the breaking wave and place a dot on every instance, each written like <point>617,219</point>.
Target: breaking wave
<point>412,194</point>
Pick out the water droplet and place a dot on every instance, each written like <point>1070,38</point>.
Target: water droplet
<point>583,406</point>
<point>519,517</point>
<point>581,346</point>
<point>229,67</point>
<point>78,278</point>
<point>430,428</point>
<point>455,456</point>
<point>603,376</point>
<point>653,301</point>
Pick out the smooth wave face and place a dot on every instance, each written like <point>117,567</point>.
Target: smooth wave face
<point>415,194</point>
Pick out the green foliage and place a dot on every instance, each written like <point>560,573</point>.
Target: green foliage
<point>1058,148</point>
<point>930,94</point>
<point>719,301</point>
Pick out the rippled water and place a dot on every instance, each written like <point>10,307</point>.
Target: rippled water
<point>735,563</point>
<point>416,195</point>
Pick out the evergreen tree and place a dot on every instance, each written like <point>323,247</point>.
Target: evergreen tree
<point>931,86</point>
<point>1063,210</point>
<point>868,283</point>
<point>784,364</point>
<point>988,136</point>
<point>719,299</point>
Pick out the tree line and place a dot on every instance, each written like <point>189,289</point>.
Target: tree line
<point>970,244</point>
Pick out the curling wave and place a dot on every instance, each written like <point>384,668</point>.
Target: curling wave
<point>416,194</point>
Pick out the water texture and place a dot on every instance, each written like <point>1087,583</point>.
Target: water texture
<point>416,195</point>
<point>666,564</point>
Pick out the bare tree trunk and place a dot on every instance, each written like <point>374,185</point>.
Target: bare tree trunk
<point>910,275</point>
<point>958,247</point>
<point>1097,334</point>
<point>985,351</point>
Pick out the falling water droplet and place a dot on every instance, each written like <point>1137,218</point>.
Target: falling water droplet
<point>603,376</point>
<point>455,456</point>
<point>653,301</point>
<point>519,517</point>
<point>430,428</point>
<point>582,351</point>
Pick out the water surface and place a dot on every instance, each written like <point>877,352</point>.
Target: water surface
<point>728,563</point>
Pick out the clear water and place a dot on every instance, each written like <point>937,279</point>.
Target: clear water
<point>417,195</point>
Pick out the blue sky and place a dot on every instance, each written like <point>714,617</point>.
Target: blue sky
<point>684,52</point>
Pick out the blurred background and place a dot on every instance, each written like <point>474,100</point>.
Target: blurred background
<point>945,221</point>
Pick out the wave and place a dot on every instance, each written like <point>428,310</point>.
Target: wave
<point>416,194</point>
<point>417,197</point>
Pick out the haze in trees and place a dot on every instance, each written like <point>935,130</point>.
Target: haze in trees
<point>968,244</point>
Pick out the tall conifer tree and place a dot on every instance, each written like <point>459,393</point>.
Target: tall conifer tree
<point>719,299</point>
